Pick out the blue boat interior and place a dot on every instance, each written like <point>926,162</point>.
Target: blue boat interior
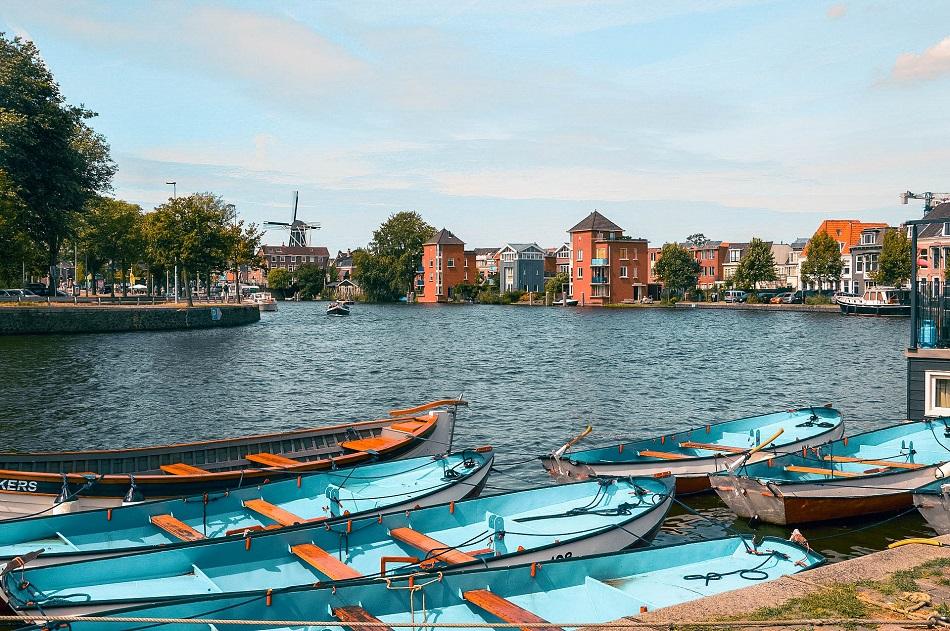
<point>443,536</point>
<point>893,449</point>
<point>727,437</point>
<point>312,497</point>
<point>592,590</point>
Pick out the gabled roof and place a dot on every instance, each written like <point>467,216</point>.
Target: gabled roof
<point>800,243</point>
<point>709,245</point>
<point>521,247</point>
<point>295,250</point>
<point>846,231</point>
<point>444,237</point>
<point>597,223</point>
<point>484,251</point>
<point>940,211</point>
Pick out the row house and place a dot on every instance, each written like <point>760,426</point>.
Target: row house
<point>486,263</point>
<point>606,266</point>
<point>933,247</point>
<point>562,257</point>
<point>521,267</point>
<point>445,264</point>
<point>857,274</point>
<point>794,266</point>
<point>291,257</point>
<point>734,254</point>
<point>848,234</point>
<point>783,255</point>
<point>710,256</point>
<point>343,264</point>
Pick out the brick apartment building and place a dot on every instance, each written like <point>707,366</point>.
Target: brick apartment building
<point>445,264</point>
<point>606,267</point>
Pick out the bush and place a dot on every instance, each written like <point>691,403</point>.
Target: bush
<point>511,296</point>
<point>489,297</point>
<point>817,299</point>
<point>752,299</point>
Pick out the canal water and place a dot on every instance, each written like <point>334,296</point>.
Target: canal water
<point>534,378</point>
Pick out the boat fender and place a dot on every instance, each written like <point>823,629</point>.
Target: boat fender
<point>269,597</point>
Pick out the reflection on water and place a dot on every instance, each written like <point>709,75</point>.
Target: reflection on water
<point>534,376</point>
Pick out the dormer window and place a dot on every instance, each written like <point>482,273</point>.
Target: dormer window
<point>867,238</point>
<point>946,228</point>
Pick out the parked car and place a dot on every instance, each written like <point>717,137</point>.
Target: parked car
<point>765,296</point>
<point>736,295</point>
<point>783,298</point>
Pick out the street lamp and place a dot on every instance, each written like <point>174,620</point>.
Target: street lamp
<point>174,185</point>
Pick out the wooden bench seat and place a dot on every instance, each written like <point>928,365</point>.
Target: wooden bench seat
<point>377,444</point>
<point>505,610</point>
<point>274,513</point>
<point>181,468</point>
<point>435,550</point>
<point>273,460</point>
<point>176,528</point>
<point>878,463</point>
<point>358,614</point>
<point>713,447</point>
<point>664,455</point>
<point>830,472</point>
<point>408,426</point>
<point>325,562</point>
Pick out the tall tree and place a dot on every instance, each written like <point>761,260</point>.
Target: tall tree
<point>893,265</point>
<point>53,162</point>
<point>112,231</point>
<point>677,268</point>
<point>311,279</point>
<point>386,269</point>
<point>823,260</point>
<point>757,265</point>
<point>245,244</point>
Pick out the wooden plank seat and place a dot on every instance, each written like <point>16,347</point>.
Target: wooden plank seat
<point>180,468</point>
<point>830,472</point>
<point>325,562</point>
<point>377,443</point>
<point>409,427</point>
<point>435,550</point>
<point>664,455</point>
<point>505,610</point>
<point>176,528</point>
<point>714,447</point>
<point>274,513</point>
<point>272,460</point>
<point>352,613</point>
<point>879,463</point>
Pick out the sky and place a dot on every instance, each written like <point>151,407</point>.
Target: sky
<point>510,121</point>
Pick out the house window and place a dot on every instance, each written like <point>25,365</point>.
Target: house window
<point>734,256</point>
<point>430,278</point>
<point>937,393</point>
<point>282,259</point>
<point>946,228</point>
<point>846,269</point>
<point>451,263</point>
<point>466,262</point>
<point>623,271</point>
<point>841,246</point>
<point>580,272</point>
<point>580,255</point>
<point>867,238</point>
<point>465,278</point>
<point>859,264</point>
<point>431,262</point>
<point>623,253</point>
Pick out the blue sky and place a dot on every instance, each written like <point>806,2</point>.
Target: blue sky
<point>510,121</point>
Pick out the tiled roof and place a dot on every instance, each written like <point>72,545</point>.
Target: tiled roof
<point>484,251</point>
<point>444,237</point>
<point>800,243</point>
<point>940,211</point>
<point>846,231</point>
<point>596,222</point>
<point>295,250</point>
<point>521,247</point>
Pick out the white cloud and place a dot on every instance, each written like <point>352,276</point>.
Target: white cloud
<point>932,63</point>
<point>836,11</point>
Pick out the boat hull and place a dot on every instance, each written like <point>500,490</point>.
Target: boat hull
<point>933,503</point>
<point>874,310</point>
<point>692,476</point>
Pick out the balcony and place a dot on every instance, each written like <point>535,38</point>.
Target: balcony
<point>599,280</point>
<point>600,262</point>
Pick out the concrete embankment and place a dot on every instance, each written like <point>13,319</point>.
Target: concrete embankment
<point>55,318</point>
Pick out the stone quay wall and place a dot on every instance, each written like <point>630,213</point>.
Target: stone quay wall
<point>55,319</point>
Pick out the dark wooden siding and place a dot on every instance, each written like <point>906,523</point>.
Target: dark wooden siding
<point>916,383</point>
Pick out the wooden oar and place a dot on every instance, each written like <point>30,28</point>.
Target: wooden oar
<point>745,457</point>
<point>574,441</point>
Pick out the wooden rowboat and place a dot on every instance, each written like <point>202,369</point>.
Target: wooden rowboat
<point>693,454</point>
<point>561,593</point>
<point>497,531</point>
<point>870,473</point>
<point>56,482</point>
<point>323,496</point>
<point>933,502</point>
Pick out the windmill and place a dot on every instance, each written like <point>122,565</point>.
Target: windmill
<point>298,229</point>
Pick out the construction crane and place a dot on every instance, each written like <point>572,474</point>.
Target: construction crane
<point>299,230</point>
<point>927,197</point>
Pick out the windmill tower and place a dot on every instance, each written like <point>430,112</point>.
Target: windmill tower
<point>299,230</point>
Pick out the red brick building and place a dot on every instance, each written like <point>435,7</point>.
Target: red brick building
<point>607,267</point>
<point>710,256</point>
<point>445,264</point>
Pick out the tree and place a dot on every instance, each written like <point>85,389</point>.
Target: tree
<point>698,239</point>
<point>757,265</point>
<point>112,231</point>
<point>19,253</point>
<point>386,269</point>
<point>245,243</point>
<point>677,268</point>
<point>823,260</point>
<point>53,162</point>
<point>278,279</point>
<point>893,265</point>
<point>557,283</point>
<point>311,280</point>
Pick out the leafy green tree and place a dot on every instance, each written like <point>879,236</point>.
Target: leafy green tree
<point>893,267</point>
<point>52,160</point>
<point>557,283</point>
<point>279,279</point>
<point>697,239</point>
<point>18,252</point>
<point>823,260</point>
<point>757,265</point>
<point>311,280</point>
<point>244,245</point>
<point>112,231</point>
<point>385,270</point>
<point>677,268</point>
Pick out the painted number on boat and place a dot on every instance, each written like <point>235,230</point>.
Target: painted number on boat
<point>21,486</point>
<point>566,555</point>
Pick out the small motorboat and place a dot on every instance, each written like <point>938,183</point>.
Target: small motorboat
<point>570,302</point>
<point>337,308</point>
<point>933,502</point>
<point>593,589</point>
<point>866,474</point>
<point>324,496</point>
<point>876,301</point>
<point>693,454</point>
<point>497,531</point>
<point>264,301</point>
<point>61,482</point>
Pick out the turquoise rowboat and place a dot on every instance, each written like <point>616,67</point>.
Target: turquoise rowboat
<point>865,474</point>
<point>693,454</point>
<point>313,497</point>
<point>563,593</point>
<point>536,525</point>
<point>933,502</point>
